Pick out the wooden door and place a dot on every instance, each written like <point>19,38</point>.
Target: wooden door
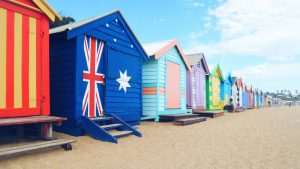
<point>93,77</point>
<point>173,85</point>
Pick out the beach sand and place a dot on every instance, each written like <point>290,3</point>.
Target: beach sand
<point>266,138</point>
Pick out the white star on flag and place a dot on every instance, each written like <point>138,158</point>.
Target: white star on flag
<point>123,80</point>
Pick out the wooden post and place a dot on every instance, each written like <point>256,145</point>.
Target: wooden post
<point>46,131</point>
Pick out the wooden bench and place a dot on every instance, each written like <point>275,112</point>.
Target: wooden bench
<point>19,150</point>
<point>46,122</point>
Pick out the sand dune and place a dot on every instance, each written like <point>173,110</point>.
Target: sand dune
<point>255,139</point>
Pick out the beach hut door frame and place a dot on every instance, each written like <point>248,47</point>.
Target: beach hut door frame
<point>22,62</point>
<point>93,77</point>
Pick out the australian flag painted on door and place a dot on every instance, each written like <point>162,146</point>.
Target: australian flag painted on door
<point>96,70</point>
<point>93,77</point>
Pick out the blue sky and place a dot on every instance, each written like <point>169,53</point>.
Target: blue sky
<point>257,40</point>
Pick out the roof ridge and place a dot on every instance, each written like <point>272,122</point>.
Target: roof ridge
<point>157,42</point>
<point>192,54</point>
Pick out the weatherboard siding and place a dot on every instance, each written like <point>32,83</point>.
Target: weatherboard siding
<point>119,55</point>
<point>62,77</point>
<point>149,104</point>
<point>126,105</point>
<point>235,94</point>
<point>227,91</point>
<point>214,93</point>
<point>24,60</point>
<point>149,79</point>
<point>245,99</point>
<point>149,73</point>
<point>174,56</point>
<point>155,104</point>
<point>241,98</point>
<point>161,82</point>
<point>196,87</point>
<point>189,89</point>
<point>202,90</point>
<point>193,92</point>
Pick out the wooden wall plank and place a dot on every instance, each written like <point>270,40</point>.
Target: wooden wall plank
<point>3,32</point>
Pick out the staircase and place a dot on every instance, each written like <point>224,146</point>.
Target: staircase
<point>108,128</point>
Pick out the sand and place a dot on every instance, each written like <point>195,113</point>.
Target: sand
<point>266,138</point>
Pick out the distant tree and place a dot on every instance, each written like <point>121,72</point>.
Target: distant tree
<point>65,20</point>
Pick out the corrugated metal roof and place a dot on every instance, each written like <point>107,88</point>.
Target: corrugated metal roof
<point>78,24</point>
<point>194,59</point>
<point>151,48</point>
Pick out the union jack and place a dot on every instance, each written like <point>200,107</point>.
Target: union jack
<point>93,50</point>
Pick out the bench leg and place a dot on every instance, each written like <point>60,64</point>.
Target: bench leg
<point>46,131</point>
<point>67,147</point>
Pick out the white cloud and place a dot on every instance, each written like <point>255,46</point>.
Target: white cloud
<point>160,20</point>
<point>269,76</point>
<point>269,29</point>
<point>195,35</point>
<point>211,67</point>
<point>266,28</point>
<point>193,3</point>
<point>198,4</point>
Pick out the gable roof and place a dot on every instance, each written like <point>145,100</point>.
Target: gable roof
<point>240,83</point>
<point>194,59</point>
<point>250,89</point>
<point>229,78</point>
<point>78,24</point>
<point>215,70</point>
<point>44,7</point>
<point>245,87</point>
<point>152,48</point>
<point>77,28</point>
<point>158,49</point>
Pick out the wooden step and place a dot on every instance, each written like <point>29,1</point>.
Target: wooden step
<point>147,118</point>
<point>212,114</point>
<point>173,117</point>
<point>110,126</point>
<point>18,150</point>
<point>102,118</point>
<point>199,109</point>
<point>188,121</point>
<point>118,134</point>
<point>239,109</point>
